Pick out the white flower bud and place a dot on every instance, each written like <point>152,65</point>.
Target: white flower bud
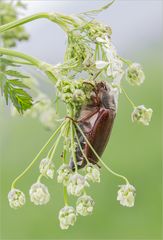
<point>101,64</point>
<point>76,184</point>
<point>142,115</point>
<point>67,217</point>
<point>39,194</point>
<point>79,95</point>
<point>47,168</point>
<point>64,174</point>
<point>16,198</point>
<point>126,195</point>
<point>84,205</point>
<point>92,173</point>
<point>135,75</point>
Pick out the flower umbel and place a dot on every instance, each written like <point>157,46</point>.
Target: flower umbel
<point>113,63</point>
<point>39,194</point>
<point>64,174</point>
<point>126,195</point>
<point>47,168</point>
<point>67,217</point>
<point>76,184</point>
<point>84,205</point>
<point>92,173</point>
<point>16,198</point>
<point>142,114</point>
<point>134,74</point>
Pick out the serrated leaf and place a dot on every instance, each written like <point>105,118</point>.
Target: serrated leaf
<point>21,99</point>
<point>18,83</point>
<point>3,80</point>
<point>14,73</point>
<point>13,89</point>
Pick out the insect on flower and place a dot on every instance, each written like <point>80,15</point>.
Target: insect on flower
<point>96,121</point>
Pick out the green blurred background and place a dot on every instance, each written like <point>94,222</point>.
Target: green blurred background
<point>133,150</point>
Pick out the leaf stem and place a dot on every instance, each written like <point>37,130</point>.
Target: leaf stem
<point>43,66</point>
<point>22,21</point>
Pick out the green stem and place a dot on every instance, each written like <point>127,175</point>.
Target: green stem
<point>81,148</point>
<point>37,156</point>
<point>127,62</point>
<point>130,101</point>
<point>22,21</point>
<point>65,195</point>
<point>43,66</point>
<point>72,147</point>
<point>26,57</point>
<point>109,169</point>
<point>53,149</point>
<point>66,135</point>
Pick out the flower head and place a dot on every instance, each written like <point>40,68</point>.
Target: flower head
<point>76,184</point>
<point>134,74</point>
<point>16,198</point>
<point>92,173</point>
<point>39,194</point>
<point>142,115</point>
<point>67,217</point>
<point>113,64</point>
<point>47,168</point>
<point>64,174</point>
<point>84,205</point>
<point>126,195</point>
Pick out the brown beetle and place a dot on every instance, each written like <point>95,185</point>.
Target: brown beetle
<point>96,120</point>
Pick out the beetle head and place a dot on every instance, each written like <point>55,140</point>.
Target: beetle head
<point>105,96</point>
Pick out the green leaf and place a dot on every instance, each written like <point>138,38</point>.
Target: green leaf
<point>13,89</point>
<point>14,73</point>
<point>3,80</point>
<point>18,83</point>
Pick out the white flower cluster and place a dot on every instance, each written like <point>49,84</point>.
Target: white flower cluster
<point>47,168</point>
<point>64,174</point>
<point>142,115</point>
<point>76,184</point>
<point>39,194</point>
<point>134,74</point>
<point>92,173</point>
<point>114,64</point>
<point>67,217</point>
<point>84,205</point>
<point>126,195</point>
<point>16,198</point>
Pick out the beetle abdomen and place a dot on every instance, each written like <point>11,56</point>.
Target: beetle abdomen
<point>96,121</point>
<point>99,136</point>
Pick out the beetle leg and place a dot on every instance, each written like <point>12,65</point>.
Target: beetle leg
<point>94,162</point>
<point>71,119</point>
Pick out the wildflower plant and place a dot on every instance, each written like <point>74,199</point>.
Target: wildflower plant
<point>91,105</point>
